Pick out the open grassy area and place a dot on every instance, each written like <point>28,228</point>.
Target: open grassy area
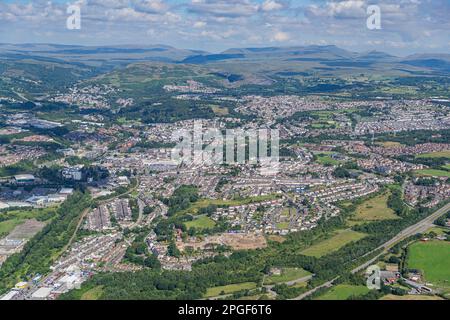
<point>13,218</point>
<point>7,226</point>
<point>220,111</point>
<point>93,294</point>
<point>287,274</point>
<point>388,144</point>
<point>442,154</point>
<point>217,291</point>
<point>439,230</point>
<point>375,209</point>
<point>432,173</point>
<point>204,203</point>
<point>283,225</point>
<point>343,292</point>
<point>326,159</point>
<point>391,297</point>
<point>201,222</point>
<point>433,259</point>
<point>337,241</point>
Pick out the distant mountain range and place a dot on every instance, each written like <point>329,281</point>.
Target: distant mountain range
<point>43,67</point>
<point>110,56</point>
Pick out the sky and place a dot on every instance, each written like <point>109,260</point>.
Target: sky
<point>407,26</point>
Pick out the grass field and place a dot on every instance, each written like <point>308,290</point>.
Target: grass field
<point>340,239</point>
<point>388,144</point>
<point>201,222</point>
<point>343,292</point>
<point>442,154</point>
<point>446,167</point>
<point>433,259</point>
<point>287,274</point>
<point>239,202</point>
<point>432,173</point>
<point>217,291</point>
<point>283,225</point>
<point>93,294</point>
<point>220,111</point>
<point>326,159</point>
<point>375,209</point>
<point>14,218</point>
<point>392,297</point>
<point>7,226</point>
<point>439,230</point>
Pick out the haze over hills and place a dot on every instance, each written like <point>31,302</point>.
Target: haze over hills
<point>124,54</point>
<point>44,67</point>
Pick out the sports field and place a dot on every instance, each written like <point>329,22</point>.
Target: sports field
<point>340,239</point>
<point>343,292</point>
<point>433,259</point>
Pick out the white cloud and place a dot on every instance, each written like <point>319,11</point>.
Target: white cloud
<point>280,36</point>
<point>271,5</point>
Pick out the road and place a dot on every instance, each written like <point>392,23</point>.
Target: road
<point>419,227</point>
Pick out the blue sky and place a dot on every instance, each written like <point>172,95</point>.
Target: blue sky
<point>408,26</point>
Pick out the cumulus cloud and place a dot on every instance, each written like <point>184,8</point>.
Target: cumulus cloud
<point>271,5</point>
<point>407,24</point>
<point>280,36</point>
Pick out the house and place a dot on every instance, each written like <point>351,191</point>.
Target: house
<point>24,178</point>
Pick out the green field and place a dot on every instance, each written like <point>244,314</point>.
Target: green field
<point>343,292</point>
<point>220,111</point>
<point>201,222</point>
<point>392,297</point>
<point>432,173</point>
<point>7,226</point>
<point>340,239</point>
<point>204,203</point>
<point>442,154</point>
<point>375,209</point>
<point>283,225</point>
<point>218,291</point>
<point>433,259</point>
<point>93,294</point>
<point>13,218</point>
<point>287,274</point>
<point>326,159</point>
<point>388,144</point>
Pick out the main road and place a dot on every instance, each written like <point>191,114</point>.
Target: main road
<point>419,227</point>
